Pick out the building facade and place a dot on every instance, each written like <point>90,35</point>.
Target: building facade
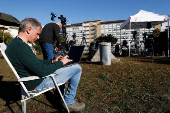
<point>87,29</point>
<point>96,28</point>
<point>85,32</point>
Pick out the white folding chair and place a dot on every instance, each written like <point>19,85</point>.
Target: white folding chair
<point>25,94</point>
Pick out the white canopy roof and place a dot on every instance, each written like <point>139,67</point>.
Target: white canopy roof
<point>141,18</point>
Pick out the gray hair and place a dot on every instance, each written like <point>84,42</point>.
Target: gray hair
<point>29,22</point>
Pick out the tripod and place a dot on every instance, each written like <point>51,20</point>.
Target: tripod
<point>63,22</point>
<point>74,38</point>
<point>83,40</point>
<point>72,42</point>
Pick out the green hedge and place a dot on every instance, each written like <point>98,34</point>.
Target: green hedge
<point>7,37</point>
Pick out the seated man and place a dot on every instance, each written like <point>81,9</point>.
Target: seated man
<point>26,64</point>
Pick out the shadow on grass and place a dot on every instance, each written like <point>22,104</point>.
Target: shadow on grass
<point>89,62</point>
<point>158,60</point>
<point>85,61</point>
<point>55,102</point>
<point>10,93</point>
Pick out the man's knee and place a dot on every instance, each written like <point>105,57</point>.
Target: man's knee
<point>78,67</point>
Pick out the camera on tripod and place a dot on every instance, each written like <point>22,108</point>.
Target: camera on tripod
<point>74,35</point>
<point>53,16</point>
<point>63,22</point>
<point>63,19</point>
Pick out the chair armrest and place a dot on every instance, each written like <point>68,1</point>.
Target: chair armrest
<point>34,77</point>
<point>28,78</point>
<point>50,75</point>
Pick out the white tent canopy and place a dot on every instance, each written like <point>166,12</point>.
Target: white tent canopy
<point>141,20</point>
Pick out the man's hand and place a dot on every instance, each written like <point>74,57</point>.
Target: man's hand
<point>65,59</point>
<point>62,59</point>
<point>57,59</point>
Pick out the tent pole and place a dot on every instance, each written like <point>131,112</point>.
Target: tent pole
<point>168,37</point>
<point>129,37</point>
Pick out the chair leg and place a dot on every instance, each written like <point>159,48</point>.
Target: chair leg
<point>60,93</point>
<point>24,106</point>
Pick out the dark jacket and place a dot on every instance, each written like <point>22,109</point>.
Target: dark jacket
<point>49,33</point>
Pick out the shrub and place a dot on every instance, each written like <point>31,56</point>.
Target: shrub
<point>107,38</point>
<point>7,37</point>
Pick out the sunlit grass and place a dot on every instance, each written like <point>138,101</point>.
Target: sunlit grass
<point>131,85</point>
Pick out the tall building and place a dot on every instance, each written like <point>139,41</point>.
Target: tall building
<point>88,29</point>
<point>85,32</point>
<point>77,29</point>
<point>96,28</point>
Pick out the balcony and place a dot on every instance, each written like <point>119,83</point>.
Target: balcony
<point>94,37</point>
<point>86,33</point>
<point>94,32</point>
<point>86,28</point>
<point>86,24</point>
<point>94,28</point>
<point>94,24</point>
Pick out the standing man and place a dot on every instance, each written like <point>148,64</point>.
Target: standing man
<point>49,34</point>
<point>26,64</point>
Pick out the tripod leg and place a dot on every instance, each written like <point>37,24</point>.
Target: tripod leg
<point>86,42</point>
<point>83,42</point>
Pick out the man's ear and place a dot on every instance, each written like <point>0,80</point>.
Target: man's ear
<point>29,30</point>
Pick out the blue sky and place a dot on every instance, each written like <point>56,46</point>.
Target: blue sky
<point>77,11</point>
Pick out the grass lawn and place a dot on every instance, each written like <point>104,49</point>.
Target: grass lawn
<point>132,85</point>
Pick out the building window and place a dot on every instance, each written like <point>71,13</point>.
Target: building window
<point>114,25</point>
<point>106,26</point>
<point>103,26</point>
<point>106,30</point>
<point>118,25</point>
<point>110,30</point>
<point>102,31</point>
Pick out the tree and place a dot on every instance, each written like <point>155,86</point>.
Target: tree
<point>107,38</point>
<point>160,41</point>
<point>7,37</point>
<point>156,32</point>
<point>37,47</point>
<point>62,39</point>
<point>163,42</point>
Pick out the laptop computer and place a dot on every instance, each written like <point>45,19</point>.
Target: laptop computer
<point>75,54</point>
